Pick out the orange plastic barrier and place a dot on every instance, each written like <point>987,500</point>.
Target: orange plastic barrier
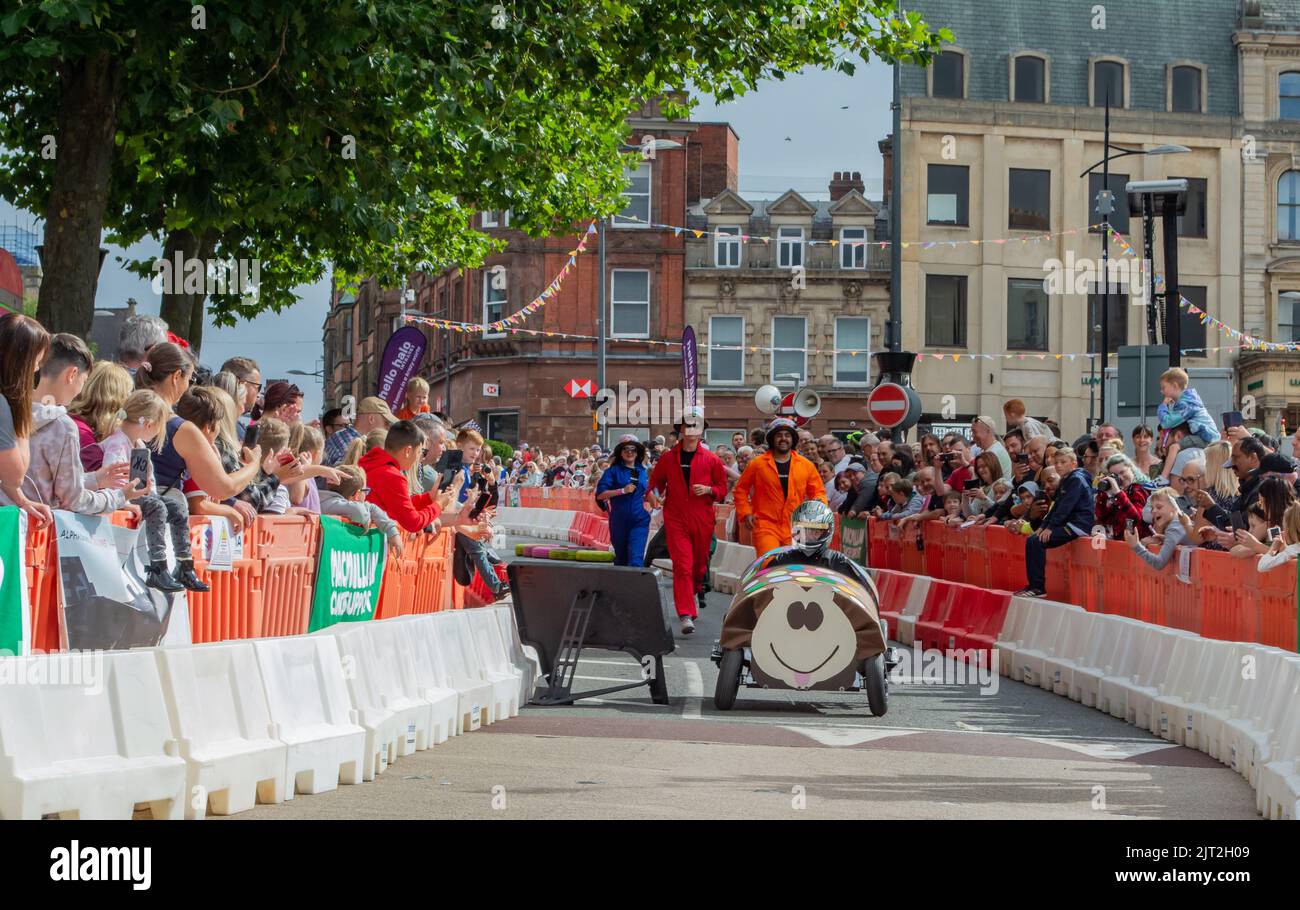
<point>288,546</point>
<point>43,587</point>
<point>722,513</point>
<point>1225,597</point>
<point>234,608</point>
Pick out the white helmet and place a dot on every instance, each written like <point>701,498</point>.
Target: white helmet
<point>811,527</point>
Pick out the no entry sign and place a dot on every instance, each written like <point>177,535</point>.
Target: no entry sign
<point>888,404</point>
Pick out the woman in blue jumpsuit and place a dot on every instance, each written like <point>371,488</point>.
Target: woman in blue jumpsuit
<point>622,490</point>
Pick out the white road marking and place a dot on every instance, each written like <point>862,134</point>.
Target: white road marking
<point>845,735</point>
<point>1111,750</point>
<point>694,691</point>
<point>966,726</point>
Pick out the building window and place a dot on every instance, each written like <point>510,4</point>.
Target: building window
<point>1026,315</point>
<point>945,311</point>
<point>503,426</point>
<point>1289,96</point>
<point>1288,318</point>
<point>1118,217</point>
<point>726,247</point>
<point>726,350</point>
<point>636,211</point>
<point>852,350</point>
<point>789,350</point>
<point>1107,78</point>
<point>790,247</point>
<point>494,299</point>
<point>949,75</point>
<point>630,304</point>
<point>1185,90</point>
<point>1288,206</point>
<point>853,248</point>
<point>490,219</point>
<point>1029,200</point>
<point>1030,79</point>
<point>1193,222</point>
<point>1191,332</point>
<point>1117,313</point>
<point>947,194</point>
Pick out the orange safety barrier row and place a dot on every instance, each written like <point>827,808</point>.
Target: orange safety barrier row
<point>564,498</point>
<point>269,591</point>
<point>1224,597</point>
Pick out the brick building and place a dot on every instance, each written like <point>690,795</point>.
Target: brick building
<point>645,274</point>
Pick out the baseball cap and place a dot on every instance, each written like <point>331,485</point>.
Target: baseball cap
<point>1276,463</point>
<point>376,405</point>
<point>857,466</point>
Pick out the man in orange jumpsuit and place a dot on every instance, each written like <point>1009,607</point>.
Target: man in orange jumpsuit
<point>773,486</point>
<point>687,480</point>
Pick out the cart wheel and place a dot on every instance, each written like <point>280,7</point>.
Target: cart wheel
<point>729,670</point>
<point>873,680</point>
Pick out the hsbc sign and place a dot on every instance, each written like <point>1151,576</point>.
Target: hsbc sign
<point>580,388</point>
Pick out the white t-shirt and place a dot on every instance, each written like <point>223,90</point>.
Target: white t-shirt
<point>116,448</point>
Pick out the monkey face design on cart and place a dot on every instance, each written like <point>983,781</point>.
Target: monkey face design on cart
<point>802,638</point>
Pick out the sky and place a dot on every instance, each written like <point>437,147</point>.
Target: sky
<point>794,134</point>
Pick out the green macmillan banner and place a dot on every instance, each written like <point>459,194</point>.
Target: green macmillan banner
<point>853,539</point>
<point>14,632</point>
<point>348,574</point>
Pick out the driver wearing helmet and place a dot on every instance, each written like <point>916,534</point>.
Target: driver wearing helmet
<point>811,528</point>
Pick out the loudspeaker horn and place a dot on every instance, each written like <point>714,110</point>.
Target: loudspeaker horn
<point>767,399</point>
<point>807,403</point>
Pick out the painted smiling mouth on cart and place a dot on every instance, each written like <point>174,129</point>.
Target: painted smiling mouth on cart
<point>772,648</point>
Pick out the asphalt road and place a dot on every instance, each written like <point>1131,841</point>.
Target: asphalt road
<point>943,751</point>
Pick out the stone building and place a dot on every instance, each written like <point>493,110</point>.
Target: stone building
<point>996,135</point>
<point>1268,47</point>
<point>805,307</point>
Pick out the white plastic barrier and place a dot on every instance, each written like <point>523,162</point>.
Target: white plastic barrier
<point>474,697</point>
<point>1011,636</point>
<point>1108,639</point>
<point>1177,692</point>
<point>494,659</point>
<point>1219,698</point>
<point>1278,787</point>
<point>311,713</point>
<point>458,640</point>
<point>729,563</point>
<point>1134,640</point>
<point>1058,670</point>
<point>218,710</point>
<point>916,595</point>
<point>360,673</point>
<point>1041,631</point>
<point>1141,691</point>
<point>529,666</point>
<point>405,685</point>
<point>86,736</point>
<point>1261,734</point>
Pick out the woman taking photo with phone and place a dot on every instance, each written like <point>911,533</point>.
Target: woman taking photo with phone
<point>979,495</point>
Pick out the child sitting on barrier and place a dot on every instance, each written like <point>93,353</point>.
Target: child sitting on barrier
<point>346,498</point>
<point>1182,405</point>
<point>143,417</point>
<point>1171,525</point>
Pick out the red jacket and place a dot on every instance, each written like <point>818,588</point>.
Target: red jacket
<point>389,491</point>
<point>1114,512</point>
<point>681,503</point>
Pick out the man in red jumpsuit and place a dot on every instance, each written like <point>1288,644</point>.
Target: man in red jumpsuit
<point>687,480</point>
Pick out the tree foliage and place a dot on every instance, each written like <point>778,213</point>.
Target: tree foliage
<point>364,134</point>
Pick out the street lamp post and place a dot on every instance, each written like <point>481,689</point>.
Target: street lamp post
<point>1105,207</point>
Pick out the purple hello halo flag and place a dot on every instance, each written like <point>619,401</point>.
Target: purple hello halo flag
<point>690,367</point>
<point>402,356</point>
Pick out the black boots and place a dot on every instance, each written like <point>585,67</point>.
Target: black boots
<point>184,574</point>
<point>157,576</point>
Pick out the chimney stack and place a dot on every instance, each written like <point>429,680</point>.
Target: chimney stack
<point>843,181</point>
